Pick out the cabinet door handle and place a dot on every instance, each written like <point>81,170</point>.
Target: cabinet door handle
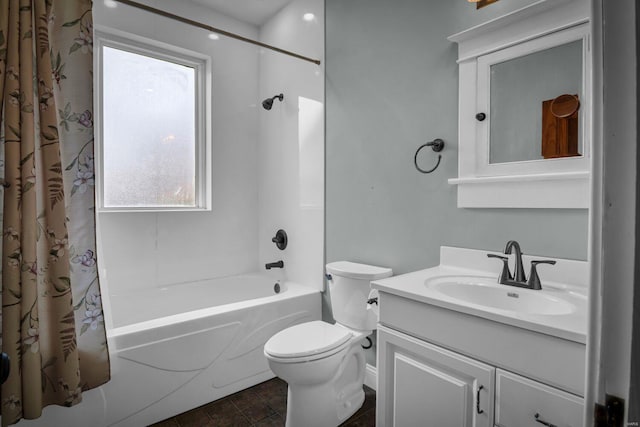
<point>478,410</point>
<point>543,422</point>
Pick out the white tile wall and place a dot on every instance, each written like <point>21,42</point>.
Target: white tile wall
<point>256,168</point>
<point>284,201</point>
<point>141,250</point>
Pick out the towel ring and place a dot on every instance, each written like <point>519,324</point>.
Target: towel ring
<point>436,145</point>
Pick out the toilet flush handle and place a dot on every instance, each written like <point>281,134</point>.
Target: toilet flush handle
<point>366,347</point>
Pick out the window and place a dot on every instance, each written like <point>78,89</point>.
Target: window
<point>152,130</point>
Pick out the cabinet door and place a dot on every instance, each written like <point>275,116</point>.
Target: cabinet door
<point>422,385</point>
<point>519,400</point>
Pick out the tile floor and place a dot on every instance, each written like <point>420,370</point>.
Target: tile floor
<point>262,405</point>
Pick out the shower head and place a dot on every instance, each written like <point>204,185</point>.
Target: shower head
<point>268,103</point>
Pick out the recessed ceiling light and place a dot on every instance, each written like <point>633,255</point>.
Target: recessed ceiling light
<point>308,16</point>
<point>214,36</point>
<point>111,3</point>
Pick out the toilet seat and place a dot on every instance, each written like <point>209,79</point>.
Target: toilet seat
<point>308,341</point>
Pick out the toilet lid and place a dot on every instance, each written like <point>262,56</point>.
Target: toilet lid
<point>306,339</point>
<point>354,270</point>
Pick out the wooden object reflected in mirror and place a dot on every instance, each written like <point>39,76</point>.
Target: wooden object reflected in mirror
<point>560,127</point>
<point>482,3</point>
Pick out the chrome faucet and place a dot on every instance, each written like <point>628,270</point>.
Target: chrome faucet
<point>520,280</point>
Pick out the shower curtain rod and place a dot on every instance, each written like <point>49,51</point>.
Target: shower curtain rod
<point>214,29</point>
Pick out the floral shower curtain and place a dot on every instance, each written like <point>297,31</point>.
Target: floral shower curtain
<point>52,323</point>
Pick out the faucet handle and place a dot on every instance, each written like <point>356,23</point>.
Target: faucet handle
<point>534,279</point>
<point>505,274</point>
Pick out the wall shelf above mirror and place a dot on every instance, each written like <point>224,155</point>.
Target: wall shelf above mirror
<point>525,109</point>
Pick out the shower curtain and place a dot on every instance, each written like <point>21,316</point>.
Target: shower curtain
<point>52,323</point>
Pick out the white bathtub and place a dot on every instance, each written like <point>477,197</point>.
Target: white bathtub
<point>181,346</point>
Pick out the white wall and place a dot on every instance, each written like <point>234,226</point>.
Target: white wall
<point>258,157</point>
<point>291,158</point>
<point>144,250</point>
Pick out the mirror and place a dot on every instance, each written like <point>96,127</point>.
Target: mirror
<point>518,89</point>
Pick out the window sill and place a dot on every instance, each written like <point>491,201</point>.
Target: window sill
<point>152,210</point>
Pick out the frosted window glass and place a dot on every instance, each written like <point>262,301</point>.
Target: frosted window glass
<point>149,131</point>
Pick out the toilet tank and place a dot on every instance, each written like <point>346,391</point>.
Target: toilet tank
<point>349,288</point>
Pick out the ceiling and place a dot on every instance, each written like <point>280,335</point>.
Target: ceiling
<point>255,12</point>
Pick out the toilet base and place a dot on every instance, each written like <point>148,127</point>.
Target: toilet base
<point>330,403</point>
<point>320,406</point>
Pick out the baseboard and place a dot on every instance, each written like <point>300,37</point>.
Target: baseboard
<point>371,377</point>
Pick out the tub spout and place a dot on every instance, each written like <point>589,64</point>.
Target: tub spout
<point>277,264</point>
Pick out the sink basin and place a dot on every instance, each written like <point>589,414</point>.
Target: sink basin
<point>484,291</point>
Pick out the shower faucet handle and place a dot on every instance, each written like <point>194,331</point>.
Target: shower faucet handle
<point>280,239</point>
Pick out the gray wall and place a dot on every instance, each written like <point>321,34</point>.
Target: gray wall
<point>391,85</point>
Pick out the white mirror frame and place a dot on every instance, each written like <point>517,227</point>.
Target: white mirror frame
<point>557,183</point>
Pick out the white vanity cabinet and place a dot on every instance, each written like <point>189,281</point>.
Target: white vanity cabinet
<point>425,385</point>
<point>439,368</point>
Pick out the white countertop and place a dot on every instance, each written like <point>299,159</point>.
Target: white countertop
<point>566,280</point>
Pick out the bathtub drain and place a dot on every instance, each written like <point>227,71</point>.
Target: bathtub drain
<point>276,288</point>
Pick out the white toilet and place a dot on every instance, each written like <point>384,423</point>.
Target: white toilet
<point>324,364</point>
